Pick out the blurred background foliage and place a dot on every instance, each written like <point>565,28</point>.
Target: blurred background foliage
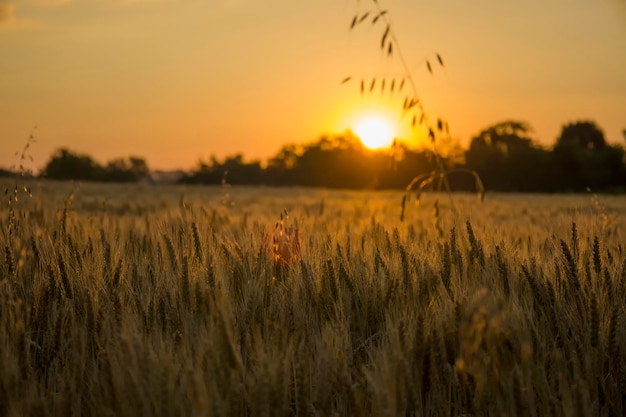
<point>505,155</point>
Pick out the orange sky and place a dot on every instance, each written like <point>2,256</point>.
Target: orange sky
<point>178,80</point>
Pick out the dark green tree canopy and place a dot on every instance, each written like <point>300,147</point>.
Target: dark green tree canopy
<point>582,135</point>
<point>505,155</point>
<point>504,136</point>
<point>506,158</point>
<point>583,159</point>
<point>67,165</point>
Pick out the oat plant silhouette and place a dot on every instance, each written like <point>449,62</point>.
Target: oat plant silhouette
<point>20,187</point>
<point>404,87</point>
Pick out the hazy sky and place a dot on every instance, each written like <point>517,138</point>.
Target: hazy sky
<point>178,80</point>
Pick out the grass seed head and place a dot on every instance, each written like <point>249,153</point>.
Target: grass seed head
<point>283,243</point>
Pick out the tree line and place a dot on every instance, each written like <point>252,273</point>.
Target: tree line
<point>67,165</point>
<point>504,155</point>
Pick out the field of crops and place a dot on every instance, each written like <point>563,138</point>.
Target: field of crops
<point>164,301</point>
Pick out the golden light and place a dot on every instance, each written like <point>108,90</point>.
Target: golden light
<point>375,132</point>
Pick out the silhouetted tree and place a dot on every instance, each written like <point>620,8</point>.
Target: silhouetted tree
<point>506,158</point>
<point>343,162</point>
<point>7,173</point>
<point>584,160</point>
<point>139,167</point>
<point>408,163</point>
<point>67,165</point>
<point>125,170</point>
<point>240,172</point>
<point>232,170</point>
<point>282,165</point>
<point>581,135</point>
<point>504,155</point>
<point>335,163</point>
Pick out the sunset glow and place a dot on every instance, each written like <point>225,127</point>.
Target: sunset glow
<point>375,132</point>
<point>175,82</point>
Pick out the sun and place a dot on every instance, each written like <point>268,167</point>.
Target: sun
<point>375,132</point>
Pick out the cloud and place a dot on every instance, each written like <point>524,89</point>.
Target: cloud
<point>131,2</point>
<point>9,19</point>
<point>53,3</point>
<point>7,12</point>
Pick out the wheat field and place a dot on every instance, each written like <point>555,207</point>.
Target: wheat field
<point>169,301</point>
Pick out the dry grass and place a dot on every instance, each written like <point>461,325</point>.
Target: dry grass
<point>127,300</point>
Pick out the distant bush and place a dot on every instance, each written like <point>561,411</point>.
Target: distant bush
<point>67,165</point>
